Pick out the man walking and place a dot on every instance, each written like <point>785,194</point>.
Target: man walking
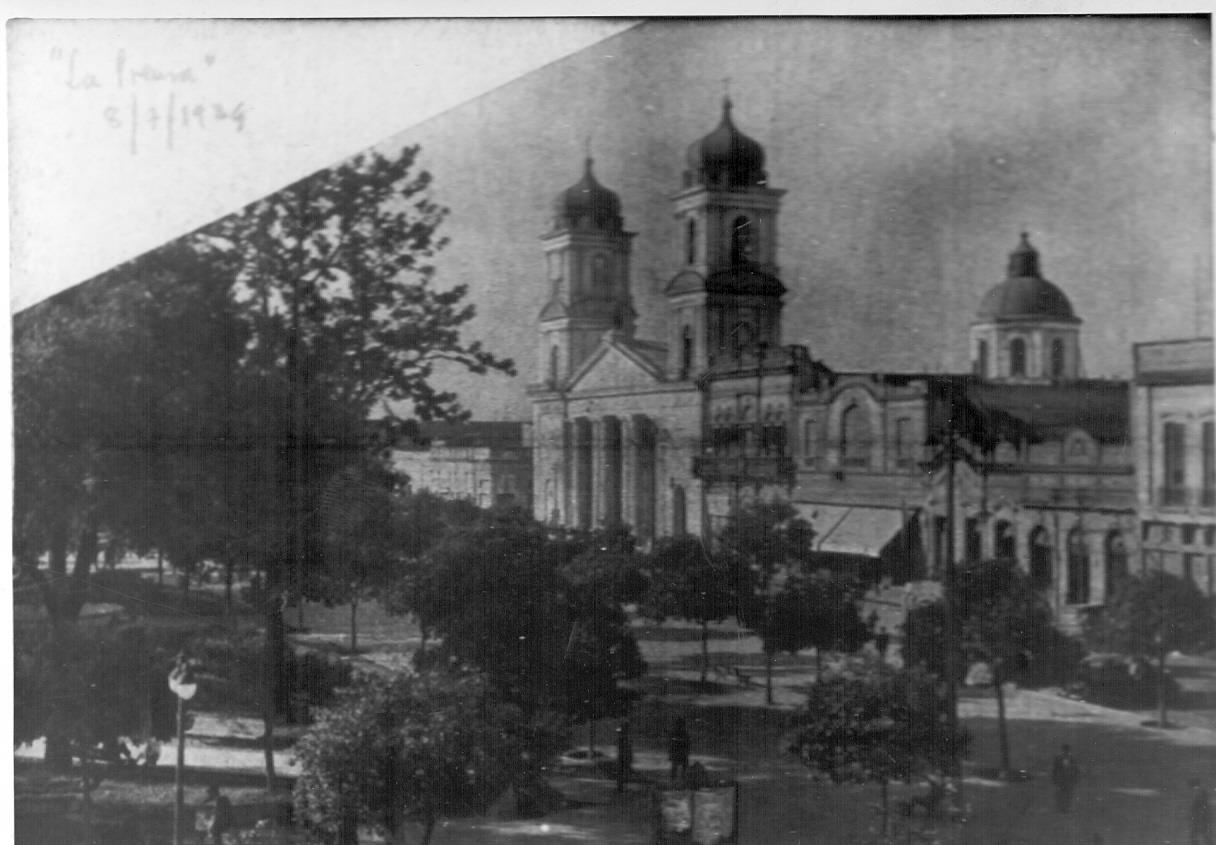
<point>1064,776</point>
<point>1201,814</point>
<point>221,821</point>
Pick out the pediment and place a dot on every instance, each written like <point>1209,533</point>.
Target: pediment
<point>614,365</point>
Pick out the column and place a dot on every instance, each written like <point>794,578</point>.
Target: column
<point>598,473</point>
<point>582,474</point>
<point>629,471</point>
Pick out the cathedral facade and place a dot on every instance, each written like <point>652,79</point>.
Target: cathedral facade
<point>672,435</point>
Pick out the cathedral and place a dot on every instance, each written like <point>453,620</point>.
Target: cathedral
<point>671,435</point>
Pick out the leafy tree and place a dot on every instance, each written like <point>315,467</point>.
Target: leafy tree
<point>370,529</point>
<point>818,609</point>
<point>762,544</point>
<point>410,749</point>
<point>85,688</point>
<point>1003,620</point>
<point>891,726</point>
<point>333,276</point>
<point>1150,616</point>
<point>119,392</point>
<point>687,583</point>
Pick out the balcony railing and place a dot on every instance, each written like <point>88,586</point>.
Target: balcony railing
<point>743,468</point>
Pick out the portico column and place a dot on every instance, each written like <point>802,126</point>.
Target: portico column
<point>581,480</point>
<point>629,458</point>
<point>599,467</point>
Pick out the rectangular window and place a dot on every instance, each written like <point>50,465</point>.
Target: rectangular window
<point>1209,465</point>
<point>905,449</point>
<point>1173,445</point>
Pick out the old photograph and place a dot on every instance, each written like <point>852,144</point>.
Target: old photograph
<point>751,429</point>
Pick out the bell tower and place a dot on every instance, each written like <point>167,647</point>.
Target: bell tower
<point>726,300</point>
<point>587,260</point>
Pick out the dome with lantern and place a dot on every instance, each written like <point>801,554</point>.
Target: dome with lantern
<point>1025,294</point>
<point>726,158</point>
<point>587,205</point>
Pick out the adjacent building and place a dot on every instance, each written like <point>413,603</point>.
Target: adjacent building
<point>1172,426</point>
<point>487,463</point>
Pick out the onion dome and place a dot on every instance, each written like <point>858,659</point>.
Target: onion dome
<point>587,205</point>
<point>1025,294</point>
<point>726,158</point>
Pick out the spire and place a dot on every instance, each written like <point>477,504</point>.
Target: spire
<point>1024,261</point>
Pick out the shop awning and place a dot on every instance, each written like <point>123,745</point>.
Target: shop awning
<point>854,530</point>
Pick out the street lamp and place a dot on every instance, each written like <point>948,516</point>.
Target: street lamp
<point>184,686</point>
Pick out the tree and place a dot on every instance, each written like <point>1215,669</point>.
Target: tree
<point>86,688</point>
<point>334,278</point>
<point>1002,620</point>
<point>1150,616</point>
<point>877,729</point>
<point>410,748</point>
<point>370,529</point>
<point>119,394</point>
<point>762,544</point>
<point>818,609</point>
<point>685,582</point>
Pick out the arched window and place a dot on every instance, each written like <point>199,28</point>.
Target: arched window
<point>981,359</point>
<point>1005,541</point>
<point>1057,358</point>
<point>1017,357</point>
<point>553,362</point>
<point>855,437</point>
<point>1116,560</point>
<point>741,241</point>
<point>685,352</point>
<point>740,337</point>
<point>1040,558</point>
<point>810,441</point>
<point>601,282</point>
<point>690,243</point>
<point>1078,568</point>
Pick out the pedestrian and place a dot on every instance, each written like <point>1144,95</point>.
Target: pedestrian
<point>624,755</point>
<point>1201,814</point>
<point>678,747</point>
<point>881,642</point>
<point>1064,776</point>
<point>221,820</point>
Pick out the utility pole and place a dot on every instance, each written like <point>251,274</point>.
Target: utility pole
<point>951,610</point>
<point>184,686</point>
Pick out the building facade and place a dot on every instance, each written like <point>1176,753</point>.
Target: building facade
<point>1172,421</point>
<point>673,435</point>
<point>487,463</point>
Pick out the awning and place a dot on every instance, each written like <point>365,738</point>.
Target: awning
<point>853,530</point>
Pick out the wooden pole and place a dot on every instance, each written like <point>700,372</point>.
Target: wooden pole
<point>179,798</point>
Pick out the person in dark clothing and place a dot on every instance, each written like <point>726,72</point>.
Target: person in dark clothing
<point>1064,776</point>
<point>1200,814</point>
<point>678,747</point>
<point>221,822</point>
<point>624,755</point>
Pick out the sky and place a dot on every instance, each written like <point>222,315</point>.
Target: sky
<point>100,174</point>
<point>126,133</point>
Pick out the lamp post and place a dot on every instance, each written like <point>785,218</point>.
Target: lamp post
<point>184,686</point>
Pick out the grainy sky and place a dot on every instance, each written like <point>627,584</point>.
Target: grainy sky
<point>913,152</point>
<point>126,133</point>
